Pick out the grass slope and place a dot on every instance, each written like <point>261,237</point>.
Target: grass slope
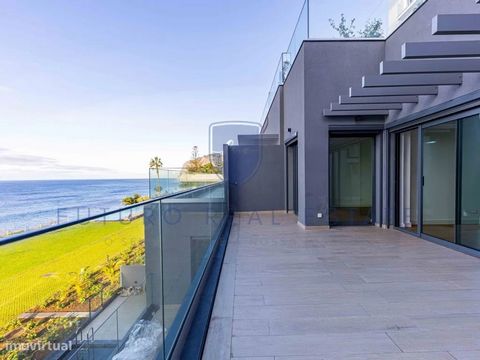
<point>34,269</point>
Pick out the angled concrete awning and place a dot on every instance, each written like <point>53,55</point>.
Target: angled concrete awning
<point>440,49</point>
<point>343,107</point>
<point>356,113</point>
<point>394,91</point>
<point>425,67</point>
<point>456,24</point>
<point>411,80</point>
<point>378,100</point>
<point>430,66</point>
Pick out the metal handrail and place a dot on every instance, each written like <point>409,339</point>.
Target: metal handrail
<point>49,229</point>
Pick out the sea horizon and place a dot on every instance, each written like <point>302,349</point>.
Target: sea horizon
<point>27,205</point>
<point>89,179</point>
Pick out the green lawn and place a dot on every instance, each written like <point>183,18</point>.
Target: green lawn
<point>32,270</point>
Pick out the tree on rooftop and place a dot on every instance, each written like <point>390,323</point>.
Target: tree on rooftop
<point>373,29</point>
<point>346,29</point>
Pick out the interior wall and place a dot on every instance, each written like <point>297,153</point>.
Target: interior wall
<point>439,169</point>
<point>470,193</point>
<point>352,173</point>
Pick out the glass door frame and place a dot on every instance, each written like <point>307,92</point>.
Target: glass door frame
<point>418,181</point>
<point>293,145</point>
<point>355,134</point>
<point>457,121</point>
<point>457,118</point>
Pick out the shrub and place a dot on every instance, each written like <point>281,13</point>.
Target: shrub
<point>110,269</point>
<point>29,330</point>
<point>84,284</point>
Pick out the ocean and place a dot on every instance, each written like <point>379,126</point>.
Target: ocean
<point>29,205</point>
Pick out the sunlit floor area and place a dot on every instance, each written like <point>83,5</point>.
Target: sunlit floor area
<point>345,293</point>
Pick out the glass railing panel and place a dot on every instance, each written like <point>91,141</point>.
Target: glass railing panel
<point>361,19</point>
<point>281,72</point>
<point>189,231</point>
<point>338,19</point>
<point>154,271</point>
<point>300,32</point>
<point>331,19</point>
<point>120,282</point>
<point>54,284</point>
<point>105,338</point>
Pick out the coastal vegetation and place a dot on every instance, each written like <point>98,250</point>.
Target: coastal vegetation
<point>156,164</point>
<point>202,164</point>
<point>134,199</point>
<point>71,270</point>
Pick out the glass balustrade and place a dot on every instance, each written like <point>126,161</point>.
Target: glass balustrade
<point>340,19</point>
<point>109,283</point>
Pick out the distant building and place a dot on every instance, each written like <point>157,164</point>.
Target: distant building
<point>400,10</point>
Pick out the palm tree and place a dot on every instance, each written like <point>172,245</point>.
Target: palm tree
<point>156,163</point>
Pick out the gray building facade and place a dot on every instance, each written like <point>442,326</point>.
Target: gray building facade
<point>391,145</point>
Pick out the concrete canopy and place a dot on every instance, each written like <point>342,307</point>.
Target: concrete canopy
<point>456,24</point>
<point>440,49</point>
<point>412,80</point>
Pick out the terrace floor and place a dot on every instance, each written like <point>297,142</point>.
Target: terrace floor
<point>346,293</point>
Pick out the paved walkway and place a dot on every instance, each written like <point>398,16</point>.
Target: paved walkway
<point>342,294</point>
<point>114,322</point>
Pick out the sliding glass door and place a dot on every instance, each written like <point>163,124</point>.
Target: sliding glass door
<point>351,180</point>
<point>469,198</point>
<point>439,180</point>
<point>438,183</point>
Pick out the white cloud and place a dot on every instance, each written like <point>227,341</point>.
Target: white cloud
<point>11,160</point>
<point>5,89</point>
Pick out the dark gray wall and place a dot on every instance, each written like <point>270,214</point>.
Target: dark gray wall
<point>294,118</point>
<point>256,177</point>
<point>325,69</point>
<point>329,68</point>
<point>274,121</point>
<point>419,28</point>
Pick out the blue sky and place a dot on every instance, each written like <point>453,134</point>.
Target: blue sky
<point>94,89</point>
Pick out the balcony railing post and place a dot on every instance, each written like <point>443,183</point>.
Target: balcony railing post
<point>308,18</point>
<point>118,336</point>
<point>90,308</point>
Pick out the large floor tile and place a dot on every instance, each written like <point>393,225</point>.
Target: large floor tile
<point>348,293</point>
